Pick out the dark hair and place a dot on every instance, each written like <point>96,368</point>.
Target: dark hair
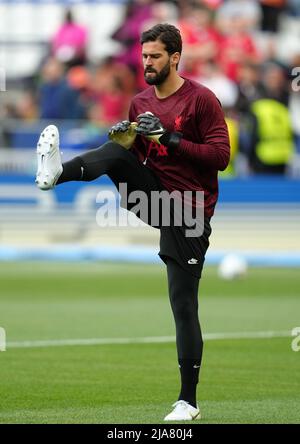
<point>69,16</point>
<point>169,35</point>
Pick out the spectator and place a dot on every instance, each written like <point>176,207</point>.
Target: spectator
<point>128,34</point>
<point>112,88</point>
<point>114,102</point>
<point>275,82</point>
<point>250,87</point>
<point>200,38</point>
<point>79,78</point>
<point>294,107</point>
<point>236,19</point>
<point>294,102</point>
<point>294,7</point>
<point>248,10</point>
<point>233,132</point>
<point>26,107</point>
<point>225,89</point>
<point>69,42</point>
<point>212,4</point>
<point>272,144</point>
<point>271,10</point>
<point>57,99</point>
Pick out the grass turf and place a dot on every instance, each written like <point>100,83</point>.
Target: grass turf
<point>242,380</point>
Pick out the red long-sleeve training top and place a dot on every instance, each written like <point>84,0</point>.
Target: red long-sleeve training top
<point>194,111</point>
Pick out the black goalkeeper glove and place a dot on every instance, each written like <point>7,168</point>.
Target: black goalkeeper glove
<point>150,126</point>
<point>123,133</point>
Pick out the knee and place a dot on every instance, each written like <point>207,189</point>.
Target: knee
<point>103,160</point>
<point>184,309</point>
<point>113,148</point>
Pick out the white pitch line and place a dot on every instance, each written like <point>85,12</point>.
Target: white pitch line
<point>90,341</point>
<point>146,340</point>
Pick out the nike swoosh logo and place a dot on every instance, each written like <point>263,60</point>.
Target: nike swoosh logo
<point>157,131</point>
<point>193,261</point>
<point>198,415</point>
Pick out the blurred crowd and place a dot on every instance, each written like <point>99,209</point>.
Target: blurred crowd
<point>230,46</point>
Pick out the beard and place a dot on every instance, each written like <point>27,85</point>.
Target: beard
<point>160,77</point>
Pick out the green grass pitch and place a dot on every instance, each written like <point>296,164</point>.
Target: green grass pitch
<point>243,380</point>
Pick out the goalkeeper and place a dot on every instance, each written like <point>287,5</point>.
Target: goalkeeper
<point>175,140</point>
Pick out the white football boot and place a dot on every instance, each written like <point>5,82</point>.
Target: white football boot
<point>183,411</point>
<point>48,158</point>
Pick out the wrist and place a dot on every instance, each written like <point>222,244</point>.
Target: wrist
<point>171,140</point>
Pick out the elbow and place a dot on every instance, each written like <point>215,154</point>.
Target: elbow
<point>224,161</point>
<point>223,166</point>
<point>224,158</point>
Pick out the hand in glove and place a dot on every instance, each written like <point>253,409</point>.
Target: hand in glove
<point>150,126</point>
<point>123,133</point>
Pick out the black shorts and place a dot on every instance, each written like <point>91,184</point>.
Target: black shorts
<point>188,252</point>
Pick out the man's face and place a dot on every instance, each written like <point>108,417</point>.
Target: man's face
<point>156,61</point>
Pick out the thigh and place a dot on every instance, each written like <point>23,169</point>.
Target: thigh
<point>180,281</point>
<point>126,168</point>
<point>135,183</point>
<point>188,252</point>
<point>122,166</point>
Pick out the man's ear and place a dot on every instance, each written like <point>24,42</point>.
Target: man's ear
<point>175,58</point>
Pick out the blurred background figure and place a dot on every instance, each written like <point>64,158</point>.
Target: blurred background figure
<point>250,86</point>
<point>201,39</point>
<point>271,13</point>
<point>214,78</point>
<point>275,81</point>
<point>294,7</point>
<point>272,139</point>
<point>57,98</point>
<point>113,84</point>
<point>294,102</point>
<point>69,43</point>
<point>27,108</point>
<point>237,20</point>
<point>128,34</point>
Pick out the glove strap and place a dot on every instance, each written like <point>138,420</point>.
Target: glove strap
<point>171,140</point>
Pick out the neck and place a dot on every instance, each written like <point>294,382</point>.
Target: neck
<point>170,86</point>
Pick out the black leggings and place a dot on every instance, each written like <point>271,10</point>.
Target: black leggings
<point>119,164</point>
<point>183,294</point>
